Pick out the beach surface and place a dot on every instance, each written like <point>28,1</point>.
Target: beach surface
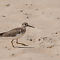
<point>43,41</point>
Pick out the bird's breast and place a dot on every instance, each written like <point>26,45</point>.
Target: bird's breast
<point>23,30</point>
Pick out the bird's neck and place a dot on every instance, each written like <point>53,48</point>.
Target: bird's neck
<point>23,26</point>
<point>23,30</point>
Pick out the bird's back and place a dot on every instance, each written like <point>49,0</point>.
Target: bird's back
<point>13,32</point>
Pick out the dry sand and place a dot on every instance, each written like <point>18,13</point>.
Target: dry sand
<point>44,15</point>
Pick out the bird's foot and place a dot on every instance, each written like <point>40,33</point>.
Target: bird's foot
<point>12,44</point>
<point>24,44</point>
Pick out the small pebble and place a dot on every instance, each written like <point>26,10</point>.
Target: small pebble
<point>3,16</point>
<point>30,39</point>
<point>56,33</point>
<point>21,10</point>
<point>5,46</point>
<point>7,5</point>
<point>39,39</point>
<point>58,18</point>
<point>57,54</point>
<point>31,4</point>
<point>36,9</point>
<point>12,54</point>
<point>26,4</point>
<point>27,17</point>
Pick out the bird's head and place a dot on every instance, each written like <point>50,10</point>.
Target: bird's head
<point>25,24</point>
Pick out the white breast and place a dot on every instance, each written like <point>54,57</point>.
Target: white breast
<point>19,35</point>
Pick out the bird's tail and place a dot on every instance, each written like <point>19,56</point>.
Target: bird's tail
<point>1,34</point>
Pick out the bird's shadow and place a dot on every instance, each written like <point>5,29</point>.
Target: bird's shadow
<point>23,47</point>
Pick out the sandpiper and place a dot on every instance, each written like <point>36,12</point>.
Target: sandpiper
<point>16,33</point>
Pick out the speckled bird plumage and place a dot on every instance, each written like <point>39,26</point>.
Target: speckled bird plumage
<point>16,32</point>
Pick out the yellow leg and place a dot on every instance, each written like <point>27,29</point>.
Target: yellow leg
<point>12,43</point>
<point>21,43</point>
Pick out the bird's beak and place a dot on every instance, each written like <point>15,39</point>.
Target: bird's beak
<point>31,26</point>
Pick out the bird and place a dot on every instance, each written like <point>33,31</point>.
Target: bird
<point>16,33</point>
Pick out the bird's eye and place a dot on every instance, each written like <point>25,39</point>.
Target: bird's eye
<point>26,24</point>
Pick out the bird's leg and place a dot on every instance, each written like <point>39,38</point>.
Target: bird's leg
<point>21,43</point>
<point>12,43</point>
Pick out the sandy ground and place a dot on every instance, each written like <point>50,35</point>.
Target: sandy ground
<point>44,15</point>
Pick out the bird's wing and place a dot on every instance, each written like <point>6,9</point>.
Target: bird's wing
<point>11,33</point>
